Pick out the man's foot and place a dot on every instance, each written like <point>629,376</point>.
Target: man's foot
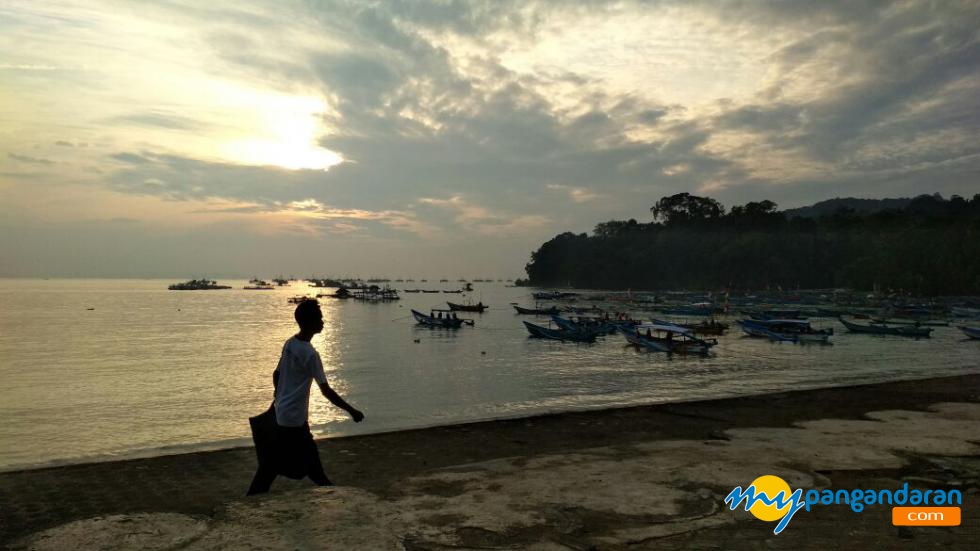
<point>322,481</point>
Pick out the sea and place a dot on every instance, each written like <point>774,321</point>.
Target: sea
<point>104,369</point>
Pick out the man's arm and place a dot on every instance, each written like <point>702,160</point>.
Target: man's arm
<point>335,399</point>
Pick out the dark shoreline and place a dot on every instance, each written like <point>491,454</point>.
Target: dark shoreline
<point>198,483</point>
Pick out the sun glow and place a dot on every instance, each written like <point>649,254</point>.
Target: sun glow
<point>285,129</point>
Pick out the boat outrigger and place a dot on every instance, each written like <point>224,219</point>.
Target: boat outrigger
<point>440,318</point>
<point>882,329</point>
<point>791,330</point>
<point>672,339</point>
<point>972,332</point>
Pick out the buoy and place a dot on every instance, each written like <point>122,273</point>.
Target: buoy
<point>418,340</point>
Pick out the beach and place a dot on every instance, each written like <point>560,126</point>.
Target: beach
<point>637,477</point>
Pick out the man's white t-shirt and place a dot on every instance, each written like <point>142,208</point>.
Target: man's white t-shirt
<point>298,366</point>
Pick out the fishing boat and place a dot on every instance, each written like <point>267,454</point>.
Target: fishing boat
<point>700,309</point>
<point>583,323</point>
<point>706,327</point>
<point>300,298</point>
<point>412,290</point>
<point>972,332</point>
<point>536,311</point>
<point>669,338</point>
<point>441,318</point>
<point>553,295</point>
<point>926,323</point>
<point>790,330</point>
<point>882,329</point>
<point>457,292</point>
<point>541,332</point>
<point>479,307</point>
<point>258,285</point>
<point>198,285</point>
<point>773,314</point>
<point>430,290</point>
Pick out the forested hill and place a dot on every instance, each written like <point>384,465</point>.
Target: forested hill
<point>929,245</point>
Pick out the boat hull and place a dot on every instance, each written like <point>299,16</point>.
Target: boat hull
<point>430,321</point>
<point>972,332</point>
<point>902,331</point>
<point>540,332</point>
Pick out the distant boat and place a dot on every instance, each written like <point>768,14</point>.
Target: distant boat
<point>456,292</point>
<point>412,291</point>
<point>198,285</point>
<point>669,338</point>
<point>445,319</point>
<point>541,332</point>
<point>553,295</point>
<point>300,298</point>
<point>479,307</point>
<point>430,290</point>
<point>536,311</point>
<point>882,329</point>
<point>785,330</point>
<point>258,285</point>
<point>972,332</point>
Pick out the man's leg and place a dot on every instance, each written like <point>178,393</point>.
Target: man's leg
<point>262,481</point>
<point>314,466</point>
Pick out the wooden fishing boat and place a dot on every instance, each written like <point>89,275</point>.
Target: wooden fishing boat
<point>439,318</point>
<point>706,327</point>
<point>918,323</point>
<point>412,291</point>
<point>972,332</point>
<point>479,307</point>
<point>536,311</point>
<point>541,332</point>
<point>582,323</point>
<point>430,290</point>
<point>790,330</point>
<point>881,329</point>
<point>669,338</point>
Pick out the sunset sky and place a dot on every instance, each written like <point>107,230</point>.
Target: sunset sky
<point>174,138</point>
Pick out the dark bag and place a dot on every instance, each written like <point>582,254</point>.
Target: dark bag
<point>264,429</point>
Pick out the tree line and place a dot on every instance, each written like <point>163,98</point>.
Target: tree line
<point>930,246</point>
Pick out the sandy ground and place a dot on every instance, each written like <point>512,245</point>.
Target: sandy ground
<point>638,478</point>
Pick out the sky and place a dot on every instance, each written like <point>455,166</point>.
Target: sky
<point>178,138</point>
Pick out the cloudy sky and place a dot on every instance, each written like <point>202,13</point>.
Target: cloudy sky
<point>178,138</point>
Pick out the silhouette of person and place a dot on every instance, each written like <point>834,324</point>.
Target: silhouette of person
<point>295,454</point>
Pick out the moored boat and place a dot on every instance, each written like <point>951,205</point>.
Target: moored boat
<point>439,318</point>
<point>542,332</point>
<point>598,326</point>
<point>882,329</point>
<point>198,285</point>
<point>536,311</point>
<point>790,330</point>
<point>479,307</point>
<point>706,327</point>
<point>972,332</point>
<point>669,338</point>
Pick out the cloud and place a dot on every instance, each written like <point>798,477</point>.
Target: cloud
<point>30,160</point>
<point>158,119</point>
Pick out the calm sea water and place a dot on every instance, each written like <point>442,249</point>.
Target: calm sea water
<point>149,371</point>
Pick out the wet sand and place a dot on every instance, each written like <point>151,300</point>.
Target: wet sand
<point>641,477</point>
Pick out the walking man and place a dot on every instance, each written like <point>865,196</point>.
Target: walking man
<point>295,453</point>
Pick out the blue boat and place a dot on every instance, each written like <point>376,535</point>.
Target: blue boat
<point>789,330</point>
<point>972,332</point>
<point>541,332</point>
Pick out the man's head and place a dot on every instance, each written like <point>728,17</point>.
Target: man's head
<point>309,317</point>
